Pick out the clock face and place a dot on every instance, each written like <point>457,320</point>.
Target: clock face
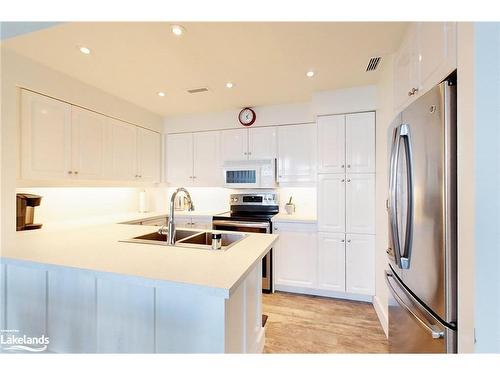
<point>247,116</point>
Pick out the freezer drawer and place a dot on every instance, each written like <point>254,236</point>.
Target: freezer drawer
<point>412,328</point>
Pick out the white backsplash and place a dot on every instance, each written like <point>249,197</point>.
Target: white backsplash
<point>304,199</point>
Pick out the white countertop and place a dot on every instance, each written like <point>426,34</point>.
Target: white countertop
<point>96,247</point>
<point>283,217</point>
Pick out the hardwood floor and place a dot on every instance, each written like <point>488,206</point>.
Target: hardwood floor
<point>309,324</point>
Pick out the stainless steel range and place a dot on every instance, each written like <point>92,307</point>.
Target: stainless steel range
<point>252,212</point>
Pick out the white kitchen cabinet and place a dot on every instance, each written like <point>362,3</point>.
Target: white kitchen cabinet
<point>193,222</point>
<point>180,159</point>
<point>234,144</point>
<point>262,143</point>
<point>207,168</point>
<point>427,55</point>
<point>148,155</point>
<point>331,144</point>
<point>360,264</point>
<point>45,137</point>
<point>331,261</point>
<point>91,145</point>
<point>297,153</point>
<point>360,142</point>
<point>360,203</point>
<point>124,150</point>
<point>331,203</point>
<point>295,255</point>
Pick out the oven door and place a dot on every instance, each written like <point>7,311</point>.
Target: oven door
<point>252,227</point>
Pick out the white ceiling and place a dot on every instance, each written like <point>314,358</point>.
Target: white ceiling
<point>266,62</point>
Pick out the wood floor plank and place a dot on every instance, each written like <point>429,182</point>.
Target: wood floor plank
<point>309,324</point>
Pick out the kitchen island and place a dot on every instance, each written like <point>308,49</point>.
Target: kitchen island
<point>89,292</point>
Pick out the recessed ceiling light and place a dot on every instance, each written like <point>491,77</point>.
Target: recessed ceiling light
<point>85,50</point>
<point>310,74</point>
<point>229,85</point>
<point>178,30</point>
<point>161,93</point>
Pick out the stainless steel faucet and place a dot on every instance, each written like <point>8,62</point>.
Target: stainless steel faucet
<point>171,225</point>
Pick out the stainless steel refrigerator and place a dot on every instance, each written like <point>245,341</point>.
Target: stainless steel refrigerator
<point>422,274</point>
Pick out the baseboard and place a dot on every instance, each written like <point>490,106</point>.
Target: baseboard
<point>261,341</point>
<point>323,293</point>
<point>382,317</point>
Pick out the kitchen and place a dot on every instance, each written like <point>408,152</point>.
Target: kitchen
<point>291,177</point>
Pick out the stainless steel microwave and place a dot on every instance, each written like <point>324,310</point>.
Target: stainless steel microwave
<point>250,174</point>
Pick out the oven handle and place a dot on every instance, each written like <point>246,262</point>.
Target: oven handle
<point>242,224</point>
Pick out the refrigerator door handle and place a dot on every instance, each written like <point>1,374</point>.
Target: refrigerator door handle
<point>394,230</point>
<point>404,132</point>
<point>433,329</point>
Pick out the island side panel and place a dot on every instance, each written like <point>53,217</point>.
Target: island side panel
<point>243,323</point>
<point>2,296</point>
<point>188,321</point>
<point>125,317</point>
<point>71,320</point>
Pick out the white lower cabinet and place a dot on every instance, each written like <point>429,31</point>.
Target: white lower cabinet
<point>360,264</point>
<point>331,261</point>
<point>295,255</point>
<point>195,222</point>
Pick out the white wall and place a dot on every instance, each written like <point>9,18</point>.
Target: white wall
<point>17,72</point>
<point>349,100</point>
<point>385,115</point>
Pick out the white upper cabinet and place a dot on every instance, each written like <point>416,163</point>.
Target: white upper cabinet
<point>45,137</point>
<point>262,143</point>
<point>297,153</point>
<point>207,169</point>
<point>60,141</point>
<point>331,144</point>
<point>331,261</point>
<point>124,150</point>
<point>91,145</point>
<point>234,144</point>
<point>427,55</point>
<point>360,203</point>
<point>180,159</point>
<point>331,206</point>
<point>360,264</point>
<point>148,155</point>
<point>360,142</point>
<point>437,51</point>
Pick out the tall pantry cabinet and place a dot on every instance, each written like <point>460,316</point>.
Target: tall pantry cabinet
<point>346,202</point>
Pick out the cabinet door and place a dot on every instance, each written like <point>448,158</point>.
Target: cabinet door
<point>234,144</point>
<point>180,159</point>
<point>360,264</point>
<point>148,155</point>
<point>437,51</point>
<point>406,69</point>
<point>201,223</point>
<point>331,144</point>
<point>124,150</point>
<point>360,142</point>
<point>360,203</point>
<point>331,203</point>
<point>297,153</point>
<point>262,143</point>
<point>331,261</point>
<point>182,222</point>
<point>91,146</point>
<point>207,166</point>
<point>45,137</point>
<point>296,255</point>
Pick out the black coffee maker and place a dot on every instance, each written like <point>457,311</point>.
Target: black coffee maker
<point>26,204</point>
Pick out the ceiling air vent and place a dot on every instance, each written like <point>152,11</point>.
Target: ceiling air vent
<point>197,90</point>
<point>372,64</point>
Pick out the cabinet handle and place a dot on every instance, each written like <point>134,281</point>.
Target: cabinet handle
<point>348,180</point>
<point>342,166</point>
<point>413,91</point>
<point>342,180</point>
<point>348,165</point>
<point>76,172</point>
<point>245,153</point>
<point>348,241</point>
<point>70,172</point>
<point>342,240</point>
<point>249,153</point>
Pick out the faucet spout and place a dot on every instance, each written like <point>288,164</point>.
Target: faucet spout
<point>171,224</point>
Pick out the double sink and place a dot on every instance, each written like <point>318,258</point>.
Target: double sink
<point>189,239</point>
